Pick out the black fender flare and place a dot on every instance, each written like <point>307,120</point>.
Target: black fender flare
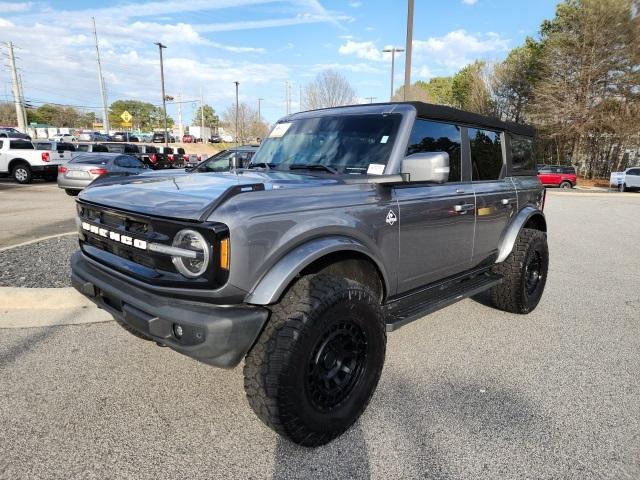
<point>511,233</point>
<point>271,286</point>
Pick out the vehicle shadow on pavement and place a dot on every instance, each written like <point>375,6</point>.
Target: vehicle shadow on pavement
<point>419,424</point>
<point>25,345</point>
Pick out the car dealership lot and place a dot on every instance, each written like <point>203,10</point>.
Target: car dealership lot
<point>467,392</point>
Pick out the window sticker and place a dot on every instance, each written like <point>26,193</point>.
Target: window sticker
<point>375,169</point>
<point>384,139</point>
<point>279,130</point>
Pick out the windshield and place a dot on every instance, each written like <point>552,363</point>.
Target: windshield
<point>353,144</point>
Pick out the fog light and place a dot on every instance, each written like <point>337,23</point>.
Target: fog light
<point>177,330</point>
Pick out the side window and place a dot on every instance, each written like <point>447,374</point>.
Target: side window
<point>486,154</point>
<point>82,148</point>
<point>522,158</point>
<point>428,136</point>
<point>1,143</point>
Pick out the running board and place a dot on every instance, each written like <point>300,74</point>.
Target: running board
<point>407,309</point>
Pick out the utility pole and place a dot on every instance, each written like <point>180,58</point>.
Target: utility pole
<point>300,105</point>
<point>23,103</point>
<point>17,99</point>
<point>180,124</point>
<point>371,99</point>
<point>393,51</point>
<point>407,64</point>
<point>201,116</point>
<point>103,93</point>
<point>164,97</point>
<point>259,115</point>
<point>237,106</point>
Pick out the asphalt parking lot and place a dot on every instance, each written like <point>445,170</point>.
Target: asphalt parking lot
<point>467,392</point>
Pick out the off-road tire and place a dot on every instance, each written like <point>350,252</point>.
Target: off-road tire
<point>530,253</point>
<point>131,330</point>
<point>21,173</point>
<point>566,184</point>
<point>71,193</point>
<point>287,372</point>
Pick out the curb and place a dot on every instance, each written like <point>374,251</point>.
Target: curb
<point>15,298</point>
<point>36,240</point>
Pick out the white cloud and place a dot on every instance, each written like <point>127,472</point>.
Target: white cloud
<point>366,50</point>
<point>469,2</point>
<point>355,4</point>
<point>458,48</point>
<point>14,7</point>
<point>422,72</point>
<point>350,67</point>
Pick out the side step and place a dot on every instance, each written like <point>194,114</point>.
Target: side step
<point>416,305</point>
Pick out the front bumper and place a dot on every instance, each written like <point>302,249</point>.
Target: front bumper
<point>214,334</point>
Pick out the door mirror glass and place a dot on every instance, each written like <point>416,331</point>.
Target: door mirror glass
<point>426,167</point>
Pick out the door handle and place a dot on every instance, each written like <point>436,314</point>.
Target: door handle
<point>464,208</point>
<point>507,201</point>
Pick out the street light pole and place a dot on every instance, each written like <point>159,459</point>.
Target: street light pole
<point>237,84</point>
<point>164,98</point>
<point>259,116</point>
<point>393,51</point>
<point>407,63</point>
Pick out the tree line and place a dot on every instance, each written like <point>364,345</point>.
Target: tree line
<point>579,84</point>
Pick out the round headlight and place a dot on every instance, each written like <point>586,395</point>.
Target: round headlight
<point>193,264</point>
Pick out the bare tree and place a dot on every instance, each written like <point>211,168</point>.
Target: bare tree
<point>250,127</point>
<point>328,89</point>
<point>416,93</point>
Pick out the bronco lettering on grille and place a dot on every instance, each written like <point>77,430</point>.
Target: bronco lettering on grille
<point>116,237</point>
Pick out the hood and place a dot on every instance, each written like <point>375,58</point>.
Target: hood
<point>186,196</point>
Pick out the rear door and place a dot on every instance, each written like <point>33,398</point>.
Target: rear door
<point>496,200</point>
<point>436,220</point>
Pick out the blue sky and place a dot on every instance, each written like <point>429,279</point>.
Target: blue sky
<point>260,43</point>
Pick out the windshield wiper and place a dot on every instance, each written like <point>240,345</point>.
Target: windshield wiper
<point>266,165</point>
<point>312,166</point>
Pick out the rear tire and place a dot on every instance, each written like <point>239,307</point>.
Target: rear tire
<point>524,273</point>
<point>622,187</point>
<point>314,368</point>
<point>21,173</point>
<point>566,185</point>
<point>71,193</point>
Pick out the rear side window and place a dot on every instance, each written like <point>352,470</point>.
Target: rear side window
<point>43,146</point>
<point>486,154</point>
<point>128,162</point>
<point>82,148</point>
<point>430,136</point>
<point>100,148</point>
<point>21,145</point>
<point>570,170</point>
<point>522,158</point>
<point>66,147</point>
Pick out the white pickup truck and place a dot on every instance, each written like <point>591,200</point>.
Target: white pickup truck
<point>626,180</point>
<point>20,159</point>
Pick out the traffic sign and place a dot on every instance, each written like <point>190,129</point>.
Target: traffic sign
<point>126,117</point>
<point>125,124</point>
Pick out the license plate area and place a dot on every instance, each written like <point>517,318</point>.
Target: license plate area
<point>77,174</point>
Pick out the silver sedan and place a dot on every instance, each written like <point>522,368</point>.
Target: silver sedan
<point>76,174</point>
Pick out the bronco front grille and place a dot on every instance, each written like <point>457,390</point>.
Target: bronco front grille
<point>150,266</point>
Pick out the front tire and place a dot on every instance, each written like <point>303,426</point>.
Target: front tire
<point>622,187</point>
<point>21,173</point>
<point>314,368</point>
<point>524,273</point>
<point>71,193</point>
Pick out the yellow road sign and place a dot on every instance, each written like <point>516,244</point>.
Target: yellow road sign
<point>125,124</point>
<point>126,117</point>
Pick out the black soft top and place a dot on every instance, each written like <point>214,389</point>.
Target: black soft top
<point>449,114</point>
<point>427,111</point>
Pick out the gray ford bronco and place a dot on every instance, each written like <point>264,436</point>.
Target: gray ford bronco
<point>349,223</point>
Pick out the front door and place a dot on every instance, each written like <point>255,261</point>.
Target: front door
<point>436,220</point>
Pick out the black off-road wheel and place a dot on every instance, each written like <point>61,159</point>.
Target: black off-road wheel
<point>524,273</point>
<point>314,368</point>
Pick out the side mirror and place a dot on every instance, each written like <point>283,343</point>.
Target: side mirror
<point>426,167</point>
<point>235,162</point>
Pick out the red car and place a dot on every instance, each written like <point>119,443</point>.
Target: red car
<point>188,139</point>
<point>557,176</point>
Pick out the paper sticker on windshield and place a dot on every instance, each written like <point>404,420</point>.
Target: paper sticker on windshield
<point>384,139</point>
<point>375,169</point>
<point>279,130</point>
